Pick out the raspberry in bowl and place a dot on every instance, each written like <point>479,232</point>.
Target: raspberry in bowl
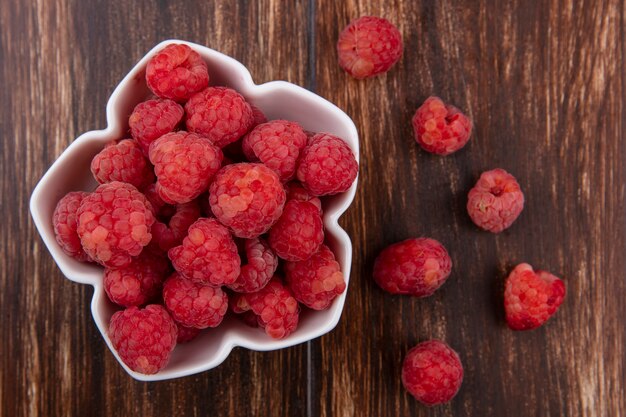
<point>257,264</point>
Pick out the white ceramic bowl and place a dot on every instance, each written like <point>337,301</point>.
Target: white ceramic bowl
<point>278,100</point>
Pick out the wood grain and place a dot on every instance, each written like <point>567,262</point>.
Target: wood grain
<point>544,84</point>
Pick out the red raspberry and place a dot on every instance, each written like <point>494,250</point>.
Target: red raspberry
<point>184,164</point>
<point>277,144</point>
<point>531,297</point>
<point>298,233</point>
<point>114,223</point>
<point>295,191</point>
<point>122,161</point>
<point>432,372</point>
<point>259,116</point>
<point>176,72</point>
<point>262,264</point>
<point>248,198</point>
<point>138,282</point>
<point>219,113</point>
<point>276,309</point>
<point>316,282</point>
<point>416,267</point>
<point>150,192</point>
<point>192,304</point>
<point>170,233</point>
<point>208,255</point>
<point>152,119</point>
<point>369,46</point>
<point>143,338</point>
<point>441,128</point>
<point>64,221</point>
<point>186,334</point>
<point>327,165</point>
<point>495,201</point>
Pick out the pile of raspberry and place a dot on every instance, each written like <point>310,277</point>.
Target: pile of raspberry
<point>206,209</point>
<point>432,372</point>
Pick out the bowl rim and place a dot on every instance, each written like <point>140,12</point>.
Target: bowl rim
<point>232,339</point>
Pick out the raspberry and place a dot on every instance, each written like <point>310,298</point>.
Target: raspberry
<point>219,113</point>
<point>64,221</point>
<point>143,338</point>
<point>276,309</point>
<point>416,267</point>
<point>138,282</point>
<point>432,372</point>
<point>262,264</point>
<point>208,255</point>
<point>152,119</point>
<point>192,304</point>
<point>247,198</point>
<point>277,144</point>
<point>176,72</point>
<point>122,161</point>
<point>170,233</point>
<point>327,165</point>
<point>298,233</point>
<point>295,191</point>
<point>150,192</point>
<point>114,223</point>
<point>186,334</point>
<point>495,201</point>
<point>440,128</point>
<point>184,164</point>
<point>531,297</point>
<point>259,116</point>
<point>315,282</point>
<point>369,46</point>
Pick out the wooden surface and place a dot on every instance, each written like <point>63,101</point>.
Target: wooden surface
<point>544,82</point>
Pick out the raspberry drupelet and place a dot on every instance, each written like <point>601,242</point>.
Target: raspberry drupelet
<point>327,165</point>
<point>114,224</point>
<point>122,161</point>
<point>369,46</point>
<point>416,267</point>
<point>432,372</point>
<point>259,269</point>
<point>138,282</point>
<point>152,119</point>
<point>192,304</point>
<point>64,221</point>
<point>208,254</point>
<point>176,72</point>
<point>531,297</point>
<point>276,309</point>
<point>184,164</point>
<point>496,201</point>
<point>219,113</point>
<point>277,144</point>
<point>298,233</point>
<point>247,198</point>
<point>317,281</point>
<point>143,338</point>
<point>440,128</point>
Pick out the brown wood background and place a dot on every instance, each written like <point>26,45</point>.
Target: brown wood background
<point>544,82</point>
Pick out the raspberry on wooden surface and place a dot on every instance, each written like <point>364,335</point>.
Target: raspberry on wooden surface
<point>369,46</point>
<point>432,372</point>
<point>416,267</point>
<point>531,297</point>
<point>440,128</point>
<point>496,201</point>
